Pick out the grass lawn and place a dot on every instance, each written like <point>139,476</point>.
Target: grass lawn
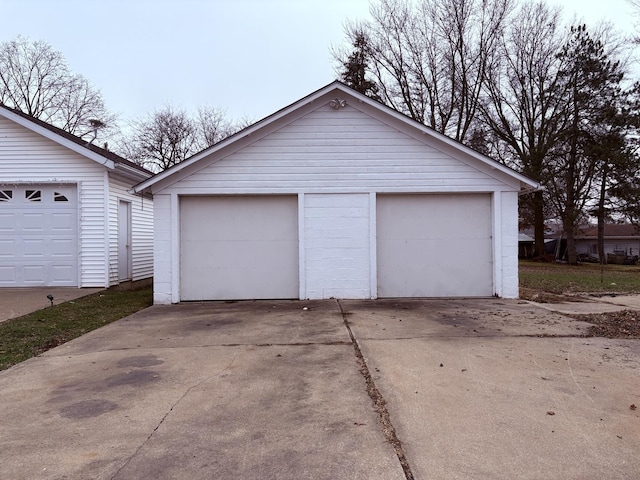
<point>25,337</point>
<point>559,278</point>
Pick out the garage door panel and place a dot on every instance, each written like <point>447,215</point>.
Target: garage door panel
<point>34,249</point>
<point>63,223</point>
<point>7,222</point>
<point>434,245</point>
<point>7,275</point>
<point>40,238</point>
<point>239,247</point>
<point>34,274</point>
<point>60,273</point>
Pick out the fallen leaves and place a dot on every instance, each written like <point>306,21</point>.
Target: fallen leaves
<point>622,324</point>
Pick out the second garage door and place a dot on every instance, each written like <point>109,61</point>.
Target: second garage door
<point>434,245</point>
<point>238,247</point>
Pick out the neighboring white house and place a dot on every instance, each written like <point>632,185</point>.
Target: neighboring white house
<point>337,196</point>
<point>68,215</point>
<point>621,238</point>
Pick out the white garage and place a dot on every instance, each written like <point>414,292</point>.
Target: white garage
<point>335,196</point>
<point>39,235</point>
<point>68,217</point>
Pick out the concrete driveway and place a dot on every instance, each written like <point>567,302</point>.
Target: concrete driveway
<point>470,389</point>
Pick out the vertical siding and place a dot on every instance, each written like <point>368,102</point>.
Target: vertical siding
<point>141,232</point>
<point>26,157</point>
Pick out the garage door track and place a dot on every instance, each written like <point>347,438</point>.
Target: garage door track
<point>258,390</point>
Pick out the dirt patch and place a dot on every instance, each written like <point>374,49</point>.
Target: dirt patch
<point>622,324</point>
<point>541,296</point>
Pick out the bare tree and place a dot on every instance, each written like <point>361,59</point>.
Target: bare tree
<point>162,139</point>
<point>525,101</point>
<point>168,136</point>
<point>36,80</point>
<point>429,60</point>
<point>213,125</point>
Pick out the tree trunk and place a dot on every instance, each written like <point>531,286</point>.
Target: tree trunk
<point>601,254</point>
<point>572,255</point>
<point>538,213</point>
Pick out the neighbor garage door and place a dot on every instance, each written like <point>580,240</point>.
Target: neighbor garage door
<point>238,247</point>
<point>38,235</point>
<point>434,245</point>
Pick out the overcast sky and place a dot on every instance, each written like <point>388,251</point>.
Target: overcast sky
<point>250,57</point>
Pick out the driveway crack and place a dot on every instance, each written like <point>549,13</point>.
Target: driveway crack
<point>173,406</point>
<point>380,404</point>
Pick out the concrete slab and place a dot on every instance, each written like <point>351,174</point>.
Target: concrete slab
<point>588,305</point>
<point>631,302</point>
<point>412,318</point>
<point>249,390</point>
<point>483,389</point>
<point>476,399</point>
<point>15,302</point>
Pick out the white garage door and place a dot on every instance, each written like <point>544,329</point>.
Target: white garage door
<point>38,235</point>
<point>434,245</point>
<point>238,247</point>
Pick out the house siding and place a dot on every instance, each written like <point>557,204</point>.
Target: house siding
<point>336,152</point>
<point>589,246</point>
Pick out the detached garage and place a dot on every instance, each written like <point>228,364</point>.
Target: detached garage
<point>68,216</point>
<point>337,196</point>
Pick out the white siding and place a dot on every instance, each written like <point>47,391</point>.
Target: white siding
<point>337,240</point>
<point>165,249</point>
<point>141,232</point>
<point>335,152</point>
<point>507,284</point>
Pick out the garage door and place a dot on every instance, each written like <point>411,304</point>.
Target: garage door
<point>238,247</point>
<point>434,245</point>
<point>38,236</point>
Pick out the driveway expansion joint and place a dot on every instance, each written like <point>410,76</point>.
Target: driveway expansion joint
<point>378,400</point>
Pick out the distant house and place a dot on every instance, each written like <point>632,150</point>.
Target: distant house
<point>619,239</point>
<point>337,196</point>
<point>68,216</point>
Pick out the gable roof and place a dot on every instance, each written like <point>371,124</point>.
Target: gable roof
<point>255,130</point>
<point>102,156</point>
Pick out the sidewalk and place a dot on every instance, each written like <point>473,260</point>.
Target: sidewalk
<point>15,302</point>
